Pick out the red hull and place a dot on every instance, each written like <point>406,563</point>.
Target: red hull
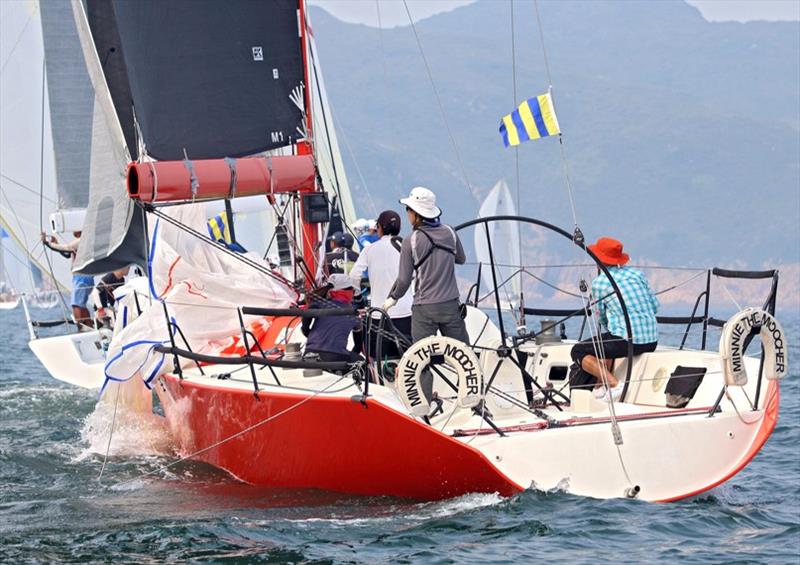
<point>328,443</point>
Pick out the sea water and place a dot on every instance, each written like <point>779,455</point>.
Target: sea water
<point>53,507</point>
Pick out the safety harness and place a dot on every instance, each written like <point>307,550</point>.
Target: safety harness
<point>418,261</point>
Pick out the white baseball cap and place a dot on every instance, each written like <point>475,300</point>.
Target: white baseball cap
<point>423,202</point>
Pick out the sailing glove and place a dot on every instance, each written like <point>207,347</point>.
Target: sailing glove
<point>388,304</point>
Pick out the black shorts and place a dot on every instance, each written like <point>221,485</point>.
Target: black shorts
<point>610,347</point>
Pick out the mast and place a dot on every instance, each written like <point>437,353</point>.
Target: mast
<point>311,235</point>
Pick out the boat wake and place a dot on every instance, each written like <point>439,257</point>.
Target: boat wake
<point>411,513</point>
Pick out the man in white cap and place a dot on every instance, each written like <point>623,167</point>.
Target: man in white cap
<point>431,251</point>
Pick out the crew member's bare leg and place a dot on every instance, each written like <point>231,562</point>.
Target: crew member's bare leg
<point>593,366</point>
<point>82,317</point>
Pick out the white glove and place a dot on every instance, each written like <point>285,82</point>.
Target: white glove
<point>388,304</point>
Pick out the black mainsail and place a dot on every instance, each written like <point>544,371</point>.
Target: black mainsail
<point>201,78</point>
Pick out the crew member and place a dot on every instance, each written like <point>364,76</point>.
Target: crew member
<point>105,292</point>
<point>370,234</point>
<point>382,261</point>
<point>341,259</point>
<point>430,253</point>
<point>82,285</point>
<point>328,336</point>
<point>642,305</point>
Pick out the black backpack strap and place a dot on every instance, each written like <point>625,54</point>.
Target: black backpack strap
<point>397,242</point>
<point>430,250</point>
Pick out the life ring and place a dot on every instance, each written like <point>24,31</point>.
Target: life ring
<point>733,340</point>
<point>438,350</point>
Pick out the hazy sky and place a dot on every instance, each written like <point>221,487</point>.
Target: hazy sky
<point>392,12</point>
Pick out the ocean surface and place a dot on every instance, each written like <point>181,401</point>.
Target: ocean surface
<point>55,508</point>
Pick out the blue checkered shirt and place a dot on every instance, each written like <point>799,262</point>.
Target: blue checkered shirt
<point>639,298</point>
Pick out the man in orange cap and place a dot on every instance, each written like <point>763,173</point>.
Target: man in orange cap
<point>641,304</point>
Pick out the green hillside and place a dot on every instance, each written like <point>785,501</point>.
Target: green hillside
<point>683,136</point>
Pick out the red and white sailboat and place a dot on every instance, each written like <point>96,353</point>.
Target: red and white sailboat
<point>226,113</point>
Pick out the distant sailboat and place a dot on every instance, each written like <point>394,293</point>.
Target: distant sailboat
<point>9,299</point>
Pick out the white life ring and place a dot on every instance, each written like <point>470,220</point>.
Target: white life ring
<point>732,342</point>
<point>437,349</point>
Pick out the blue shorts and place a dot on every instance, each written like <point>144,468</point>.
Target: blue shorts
<point>82,286</point>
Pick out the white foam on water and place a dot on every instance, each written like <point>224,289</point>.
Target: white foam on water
<point>463,504</point>
<point>134,430</point>
<point>48,392</point>
<point>416,513</point>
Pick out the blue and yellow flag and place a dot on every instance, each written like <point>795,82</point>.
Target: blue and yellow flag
<point>533,119</point>
<point>218,228</point>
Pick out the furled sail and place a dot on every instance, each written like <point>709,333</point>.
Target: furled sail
<point>504,237</point>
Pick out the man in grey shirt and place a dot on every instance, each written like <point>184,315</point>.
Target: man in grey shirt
<point>431,252</point>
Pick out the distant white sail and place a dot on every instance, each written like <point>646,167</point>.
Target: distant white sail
<point>24,208</point>
<point>504,236</point>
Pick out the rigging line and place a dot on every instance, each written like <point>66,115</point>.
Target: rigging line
<point>62,300</point>
<point>380,42</point>
<point>22,186</point>
<point>582,265</point>
<point>562,152</point>
<point>596,337</point>
<point>110,433</point>
<point>247,261</point>
<point>502,285</point>
<point>728,292</point>
<point>438,100</point>
<point>19,38</point>
<point>541,39</point>
<point>677,285</point>
<point>554,287</point>
<point>735,409</point>
<point>237,434</point>
<point>337,124</point>
<point>337,186</point>
<point>516,147</point>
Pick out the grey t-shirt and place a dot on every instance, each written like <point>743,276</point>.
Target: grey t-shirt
<point>436,276</point>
